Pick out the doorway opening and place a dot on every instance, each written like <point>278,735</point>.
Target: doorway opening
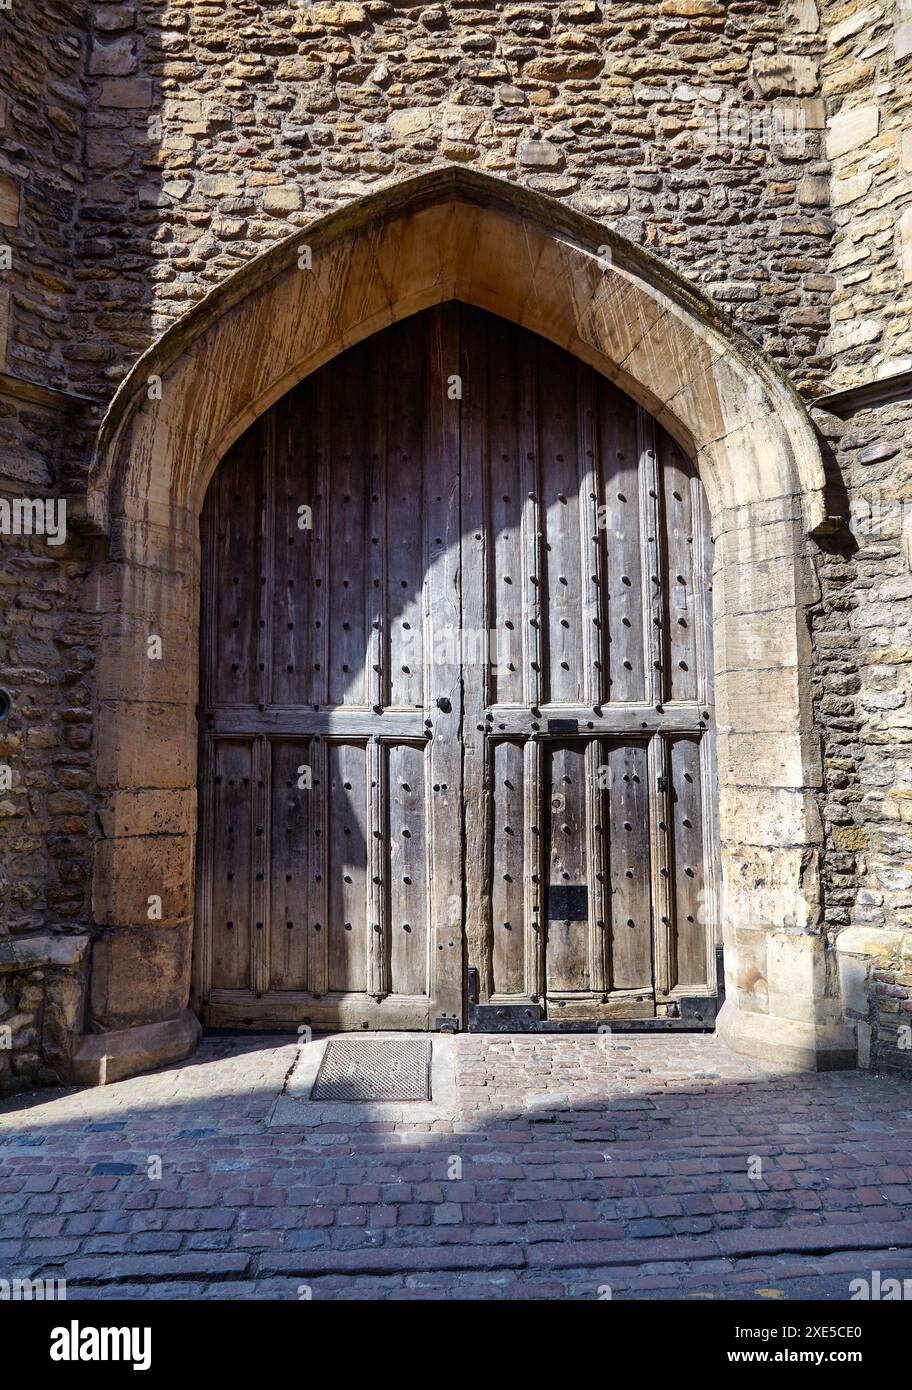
<point>456,700</point>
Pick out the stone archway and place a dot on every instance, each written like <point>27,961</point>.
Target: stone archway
<point>455,234</point>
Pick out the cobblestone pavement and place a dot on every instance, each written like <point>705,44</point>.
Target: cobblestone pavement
<point>658,1167</point>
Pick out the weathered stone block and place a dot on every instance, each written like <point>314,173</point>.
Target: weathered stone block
<point>140,975</point>
<point>136,877</point>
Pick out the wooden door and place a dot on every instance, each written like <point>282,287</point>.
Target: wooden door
<point>586,554</point>
<point>455,697</point>
<point>330,770</point>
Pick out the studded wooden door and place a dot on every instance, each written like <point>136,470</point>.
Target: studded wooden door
<point>455,698</point>
<point>586,555</point>
<point>330,887</point>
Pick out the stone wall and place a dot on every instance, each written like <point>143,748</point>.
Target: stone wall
<point>867,82</point>
<point>46,639</point>
<point>216,128</point>
<point>863,636</point>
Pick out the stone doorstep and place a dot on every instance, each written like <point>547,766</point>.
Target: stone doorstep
<point>105,1057</point>
<point>294,1109</point>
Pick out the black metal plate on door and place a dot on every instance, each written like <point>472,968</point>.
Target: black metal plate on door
<point>563,726</point>
<point>568,902</point>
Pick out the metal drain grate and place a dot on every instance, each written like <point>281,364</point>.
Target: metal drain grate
<point>355,1069</point>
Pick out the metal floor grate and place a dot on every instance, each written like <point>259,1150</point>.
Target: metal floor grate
<point>356,1069</point>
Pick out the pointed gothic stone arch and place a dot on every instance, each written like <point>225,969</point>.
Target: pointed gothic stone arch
<point>456,234</point>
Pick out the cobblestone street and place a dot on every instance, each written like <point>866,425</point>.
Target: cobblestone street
<point>659,1167</point>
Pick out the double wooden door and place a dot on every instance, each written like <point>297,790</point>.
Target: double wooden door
<point>455,698</point>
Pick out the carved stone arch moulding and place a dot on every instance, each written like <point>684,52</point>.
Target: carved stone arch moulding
<point>456,234</point>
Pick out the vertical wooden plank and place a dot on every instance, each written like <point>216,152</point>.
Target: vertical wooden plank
<point>562,595</point>
<point>690,963</point>
<point>378,870</point>
<point>481,574</point>
<point>498,347</point>
<point>348,541</point>
<point>232,859</point>
<point>348,857</point>
<point>443,687</point>
<point>318,936</point>
<point>591,544</point>
<point>682,605</point>
<point>378,412</point>
<point>703,586</point>
<point>408,869</point>
<point>508,892</point>
<point>536,885</point>
<point>597,863</point>
<point>294,570</point>
<point>662,882</point>
<point>262,854</point>
<point>289,868</point>
<point>629,865</point>
<point>531,526</point>
<point>238,500</point>
<point>651,559</point>
<point>624,648</point>
<point>568,937</point>
<point>267,429</point>
<point>407,472</point>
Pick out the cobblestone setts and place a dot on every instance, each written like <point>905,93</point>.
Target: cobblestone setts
<point>583,1167</point>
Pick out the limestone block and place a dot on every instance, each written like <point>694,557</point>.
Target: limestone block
<point>761,640</point>
<point>339,16</point>
<point>851,128</point>
<point>763,701</point>
<point>112,19</point>
<point>9,201</point>
<point>786,74</point>
<point>902,40</point>
<point>126,93</point>
<point>851,333</point>
<point>904,230</point>
<point>905,147</point>
<point>813,191</point>
<point>768,887</point>
<point>280,201</point>
<point>145,745</point>
<point>160,594</point>
<point>769,815</point>
<point>565,67</point>
<point>140,975</point>
<point>745,967</point>
<point>103,1058</point>
<point>854,23</point>
<point>764,760</point>
<point>149,812</point>
<point>131,666</point>
<point>414,121</point>
<point>539,154</point>
<point>116,58</point>
<point>849,190</point>
<point>802,17</point>
<point>796,966</point>
<point>59,951</point>
<point>759,585</point>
